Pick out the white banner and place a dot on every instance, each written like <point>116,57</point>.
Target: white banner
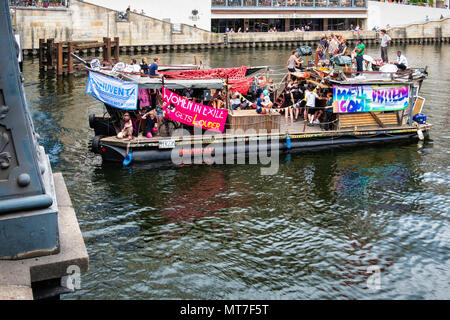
<point>116,93</point>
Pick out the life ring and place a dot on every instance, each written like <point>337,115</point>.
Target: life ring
<point>128,158</point>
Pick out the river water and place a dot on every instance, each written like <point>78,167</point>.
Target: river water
<point>312,231</point>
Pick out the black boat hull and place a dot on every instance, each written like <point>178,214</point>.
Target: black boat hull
<point>196,152</point>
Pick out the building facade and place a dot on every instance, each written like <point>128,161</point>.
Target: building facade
<point>193,12</point>
<point>287,15</point>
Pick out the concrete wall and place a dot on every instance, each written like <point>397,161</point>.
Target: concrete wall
<point>84,21</point>
<point>177,11</point>
<point>382,13</point>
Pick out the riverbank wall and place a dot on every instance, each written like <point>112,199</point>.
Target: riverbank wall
<point>139,33</point>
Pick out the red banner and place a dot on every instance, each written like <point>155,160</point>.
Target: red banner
<point>232,73</point>
<point>236,76</point>
<point>194,114</point>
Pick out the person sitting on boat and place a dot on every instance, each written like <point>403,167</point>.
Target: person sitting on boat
<point>188,93</point>
<point>218,103</point>
<point>134,66</point>
<point>126,128</point>
<point>151,125</point>
<point>401,63</point>
<point>235,101</point>
<point>153,70</point>
<point>267,103</point>
<point>144,66</point>
<point>320,58</point>
<point>263,103</point>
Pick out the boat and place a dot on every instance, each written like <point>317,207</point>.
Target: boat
<point>371,107</point>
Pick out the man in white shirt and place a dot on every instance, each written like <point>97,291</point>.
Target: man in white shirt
<point>385,39</point>
<point>401,63</point>
<point>310,110</point>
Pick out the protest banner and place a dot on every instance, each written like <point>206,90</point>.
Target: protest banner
<point>194,114</point>
<point>369,98</point>
<point>116,93</point>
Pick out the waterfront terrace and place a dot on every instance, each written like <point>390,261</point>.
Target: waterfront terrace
<point>287,15</point>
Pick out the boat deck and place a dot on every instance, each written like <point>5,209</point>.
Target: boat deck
<point>297,128</point>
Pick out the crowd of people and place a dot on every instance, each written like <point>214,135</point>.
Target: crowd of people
<point>271,29</point>
<point>330,47</point>
<point>299,99</point>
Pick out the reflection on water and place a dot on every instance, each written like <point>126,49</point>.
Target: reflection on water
<point>222,231</point>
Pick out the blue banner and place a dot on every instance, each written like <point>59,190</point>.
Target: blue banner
<point>116,93</point>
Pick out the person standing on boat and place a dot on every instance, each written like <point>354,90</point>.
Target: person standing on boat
<point>401,63</point>
<point>292,62</point>
<point>333,45</point>
<point>310,96</point>
<point>385,40</point>
<point>235,101</point>
<point>359,49</point>
<point>153,70</point>
<point>289,101</point>
<point>297,95</point>
<point>323,42</point>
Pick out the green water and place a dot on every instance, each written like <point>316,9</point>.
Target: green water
<point>222,231</point>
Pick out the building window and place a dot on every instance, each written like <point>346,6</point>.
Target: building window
<point>336,24</point>
<point>221,25</point>
<point>219,3</point>
<point>250,3</point>
<point>307,3</point>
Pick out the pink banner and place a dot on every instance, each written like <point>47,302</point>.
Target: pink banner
<point>195,114</point>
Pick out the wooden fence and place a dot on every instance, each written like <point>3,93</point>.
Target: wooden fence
<point>56,56</point>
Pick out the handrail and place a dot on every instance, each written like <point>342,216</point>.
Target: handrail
<point>285,4</point>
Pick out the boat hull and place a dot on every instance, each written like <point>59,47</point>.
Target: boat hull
<point>197,152</point>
